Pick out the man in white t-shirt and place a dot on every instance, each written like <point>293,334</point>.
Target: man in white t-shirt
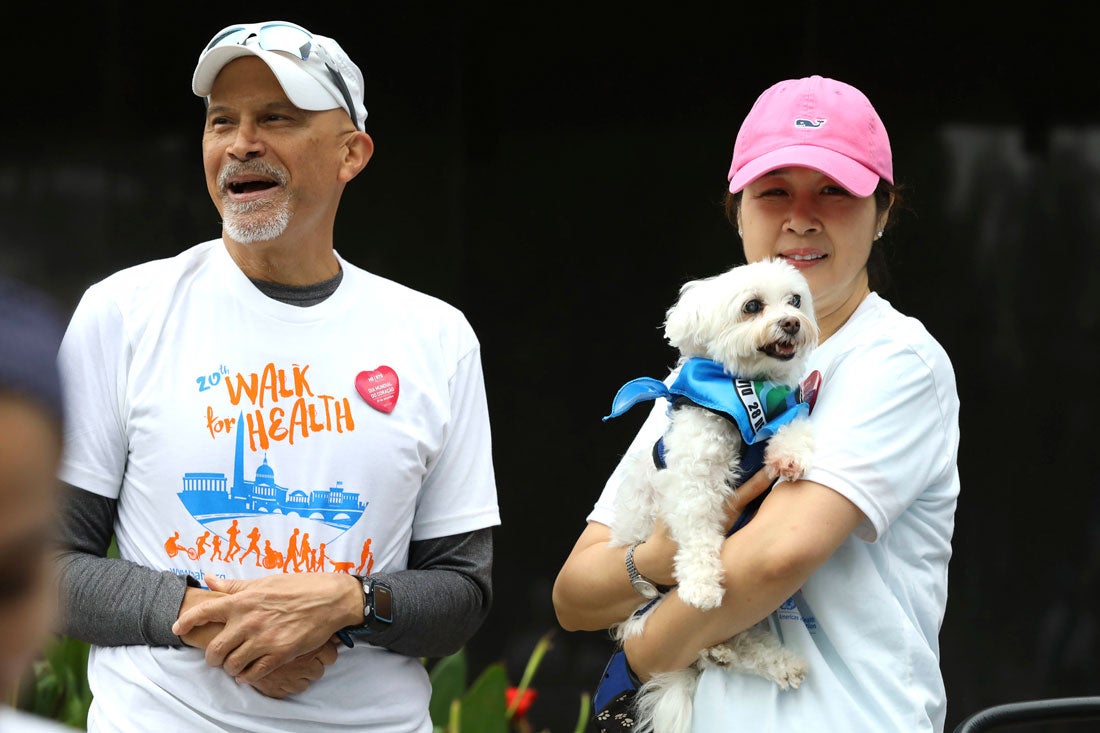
<point>293,454</point>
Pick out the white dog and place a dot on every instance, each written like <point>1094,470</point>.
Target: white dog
<point>743,338</point>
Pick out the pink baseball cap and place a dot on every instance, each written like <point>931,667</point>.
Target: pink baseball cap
<point>816,123</point>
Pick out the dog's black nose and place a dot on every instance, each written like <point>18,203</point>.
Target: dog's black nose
<point>790,326</point>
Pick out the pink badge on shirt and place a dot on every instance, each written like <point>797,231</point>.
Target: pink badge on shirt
<point>379,387</point>
<point>809,386</point>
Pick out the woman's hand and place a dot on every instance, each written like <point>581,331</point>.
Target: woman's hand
<point>655,558</point>
<point>749,490</point>
<point>796,530</point>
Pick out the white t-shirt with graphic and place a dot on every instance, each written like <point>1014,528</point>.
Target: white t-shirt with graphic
<point>886,426</point>
<point>231,429</point>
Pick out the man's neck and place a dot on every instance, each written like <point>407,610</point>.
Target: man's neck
<point>275,262</point>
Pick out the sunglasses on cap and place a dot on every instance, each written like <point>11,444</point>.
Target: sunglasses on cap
<point>288,38</point>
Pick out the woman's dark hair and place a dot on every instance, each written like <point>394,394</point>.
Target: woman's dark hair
<point>878,274</point>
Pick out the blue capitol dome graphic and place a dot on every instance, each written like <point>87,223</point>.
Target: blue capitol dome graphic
<point>210,497</point>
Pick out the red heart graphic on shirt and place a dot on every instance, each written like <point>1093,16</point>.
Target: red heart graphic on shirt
<point>379,387</point>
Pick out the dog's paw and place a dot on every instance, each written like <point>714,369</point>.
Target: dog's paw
<point>703,596</point>
<point>790,675</point>
<point>782,666</point>
<point>788,466</point>
<point>787,459</point>
<point>790,452</point>
<point>719,655</point>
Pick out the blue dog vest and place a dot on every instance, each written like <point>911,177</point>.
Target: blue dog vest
<point>757,408</point>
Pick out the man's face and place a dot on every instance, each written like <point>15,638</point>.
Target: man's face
<point>270,166</point>
<point>29,455</point>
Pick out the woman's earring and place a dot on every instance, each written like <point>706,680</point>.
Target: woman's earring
<point>879,235</point>
<point>739,232</point>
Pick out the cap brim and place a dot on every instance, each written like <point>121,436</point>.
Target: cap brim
<point>301,88</point>
<point>851,175</point>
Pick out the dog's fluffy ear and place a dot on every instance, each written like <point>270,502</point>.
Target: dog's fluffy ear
<point>687,322</point>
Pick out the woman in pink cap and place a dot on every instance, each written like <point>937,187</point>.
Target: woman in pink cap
<point>848,564</point>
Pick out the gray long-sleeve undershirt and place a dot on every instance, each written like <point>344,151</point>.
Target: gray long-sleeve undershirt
<point>439,602</point>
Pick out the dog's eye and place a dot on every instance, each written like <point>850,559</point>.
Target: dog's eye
<point>752,306</point>
<point>796,300</point>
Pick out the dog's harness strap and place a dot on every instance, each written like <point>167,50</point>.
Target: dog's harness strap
<point>613,701</point>
<point>659,453</point>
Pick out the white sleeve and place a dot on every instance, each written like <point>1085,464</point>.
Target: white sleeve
<point>459,491</point>
<point>641,449</point>
<point>881,432</point>
<point>93,360</point>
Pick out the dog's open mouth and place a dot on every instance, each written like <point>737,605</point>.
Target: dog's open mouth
<point>782,350</point>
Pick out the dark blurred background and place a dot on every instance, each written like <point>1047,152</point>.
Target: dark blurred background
<point>556,171</point>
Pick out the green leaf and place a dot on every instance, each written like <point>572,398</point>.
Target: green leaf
<point>483,707</point>
<point>533,663</point>
<point>586,710</point>
<point>448,678</point>
<point>454,717</point>
<point>60,690</point>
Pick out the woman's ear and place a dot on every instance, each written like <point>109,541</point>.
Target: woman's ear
<point>884,215</point>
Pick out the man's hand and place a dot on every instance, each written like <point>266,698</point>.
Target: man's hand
<point>272,621</point>
<point>298,674</point>
<point>198,636</point>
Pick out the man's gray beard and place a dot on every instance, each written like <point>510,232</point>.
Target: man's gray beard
<point>256,221</point>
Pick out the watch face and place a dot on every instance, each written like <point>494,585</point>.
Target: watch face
<point>383,603</point>
<point>645,588</point>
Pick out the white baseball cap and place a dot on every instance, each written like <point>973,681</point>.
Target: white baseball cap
<point>312,69</point>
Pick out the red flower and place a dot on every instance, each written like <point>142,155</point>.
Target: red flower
<point>524,705</point>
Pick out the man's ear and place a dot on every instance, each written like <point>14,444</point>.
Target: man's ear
<point>358,149</point>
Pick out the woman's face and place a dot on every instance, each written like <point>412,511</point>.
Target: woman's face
<point>807,219</point>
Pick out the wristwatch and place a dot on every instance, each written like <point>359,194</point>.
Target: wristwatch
<point>645,587</point>
<point>377,610</point>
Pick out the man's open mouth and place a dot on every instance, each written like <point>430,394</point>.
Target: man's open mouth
<point>243,187</point>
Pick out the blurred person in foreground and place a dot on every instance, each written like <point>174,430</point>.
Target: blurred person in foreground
<point>31,418</point>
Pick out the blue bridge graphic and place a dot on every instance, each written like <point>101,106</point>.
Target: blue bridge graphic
<point>210,497</point>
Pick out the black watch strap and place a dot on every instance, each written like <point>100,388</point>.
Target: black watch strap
<point>377,610</point>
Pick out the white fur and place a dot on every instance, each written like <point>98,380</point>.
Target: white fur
<point>736,319</point>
